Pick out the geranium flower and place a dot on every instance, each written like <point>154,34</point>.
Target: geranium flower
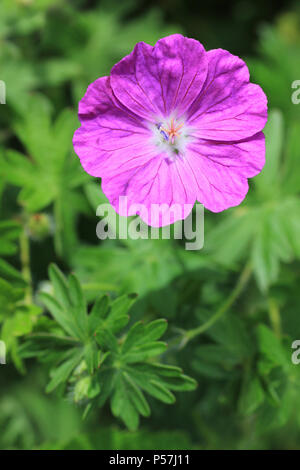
<point>173,124</point>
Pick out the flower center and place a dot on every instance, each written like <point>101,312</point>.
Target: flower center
<point>170,131</point>
<point>171,136</point>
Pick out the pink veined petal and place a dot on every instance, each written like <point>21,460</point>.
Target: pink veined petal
<point>157,191</point>
<point>228,108</point>
<point>223,113</point>
<point>155,81</point>
<point>220,170</point>
<point>110,136</point>
<point>246,158</point>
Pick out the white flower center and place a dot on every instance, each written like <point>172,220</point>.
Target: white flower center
<point>171,135</point>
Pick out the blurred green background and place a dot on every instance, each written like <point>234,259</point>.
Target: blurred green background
<point>242,288</point>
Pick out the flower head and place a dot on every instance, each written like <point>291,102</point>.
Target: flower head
<point>173,124</point>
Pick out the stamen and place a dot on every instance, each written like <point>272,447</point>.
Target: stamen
<point>172,132</point>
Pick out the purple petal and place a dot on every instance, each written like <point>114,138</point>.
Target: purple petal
<point>228,107</point>
<point>220,170</point>
<point>156,183</point>
<point>246,157</point>
<point>110,135</point>
<point>155,81</point>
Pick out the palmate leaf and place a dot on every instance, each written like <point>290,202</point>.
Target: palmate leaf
<point>51,174</point>
<point>131,380</point>
<point>67,305</point>
<point>97,364</point>
<point>133,374</point>
<point>266,225</point>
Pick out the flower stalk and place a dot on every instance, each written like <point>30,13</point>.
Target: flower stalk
<point>238,289</point>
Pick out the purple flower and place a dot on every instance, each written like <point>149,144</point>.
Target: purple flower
<point>173,124</point>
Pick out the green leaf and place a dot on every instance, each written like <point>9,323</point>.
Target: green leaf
<point>137,396</point>
<point>106,339</point>
<point>135,336</point>
<point>63,318</point>
<point>155,330</point>
<point>291,176</point>
<point>181,383</point>
<point>17,168</point>
<point>60,285</point>
<point>266,180</point>
<point>122,406</point>
<point>98,313</point>
<point>270,347</point>
<point>145,351</point>
<point>52,174</point>
<point>91,355</point>
<point>22,323</point>
<point>252,396</point>
<point>119,312</point>
<point>10,273</point>
<point>159,391</point>
<point>79,307</point>
<point>62,372</point>
<point>265,262</point>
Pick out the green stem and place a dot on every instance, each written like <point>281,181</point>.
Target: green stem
<point>239,287</point>
<point>25,262</point>
<point>58,228</point>
<point>274,315</point>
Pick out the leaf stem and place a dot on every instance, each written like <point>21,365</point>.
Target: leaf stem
<point>239,287</point>
<point>25,263</point>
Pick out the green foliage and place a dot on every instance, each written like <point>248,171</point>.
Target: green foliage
<point>277,67</point>
<point>9,233</point>
<point>260,224</point>
<point>107,439</point>
<point>98,364</point>
<point>51,175</point>
<point>16,318</point>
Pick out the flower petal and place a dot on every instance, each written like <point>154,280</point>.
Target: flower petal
<point>155,81</point>
<point>159,191</point>
<point>228,107</point>
<point>246,157</point>
<point>220,170</point>
<point>110,135</point>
